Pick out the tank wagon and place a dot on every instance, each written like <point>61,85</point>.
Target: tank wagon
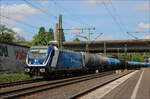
<point>45,60</point>
<point>146,64</point>
<point>133,64</point>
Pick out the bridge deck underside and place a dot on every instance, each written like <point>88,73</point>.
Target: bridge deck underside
<point>110,46</point>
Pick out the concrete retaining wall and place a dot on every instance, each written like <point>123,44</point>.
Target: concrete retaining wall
<point>12,58</point>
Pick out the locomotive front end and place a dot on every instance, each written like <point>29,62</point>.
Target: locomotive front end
<point>38,60</point>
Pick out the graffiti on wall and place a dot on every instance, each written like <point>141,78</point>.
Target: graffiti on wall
<point>21,54</point>
<point>3,51</point>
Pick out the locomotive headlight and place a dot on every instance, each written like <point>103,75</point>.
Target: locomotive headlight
<point>42,70</point>
<point>27,70</point>
<point>29,62</point>
<point>44,62</point>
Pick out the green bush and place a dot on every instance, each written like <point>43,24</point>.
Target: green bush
<point>13,77</point>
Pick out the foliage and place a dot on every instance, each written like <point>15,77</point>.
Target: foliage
<point>76,39</point>
<point>13,77</point>
<point>39,39</point>
<point>43,37</point>
<point>6,35</point>
<point>28,43</point>
<point>3,30</point>
<point>50,35</point>
<point>130,56</point>
<point>138,57</point>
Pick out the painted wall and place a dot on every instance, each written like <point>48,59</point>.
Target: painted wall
<point>12,58</point>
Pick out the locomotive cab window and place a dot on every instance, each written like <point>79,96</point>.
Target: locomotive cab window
<point>38,53</point>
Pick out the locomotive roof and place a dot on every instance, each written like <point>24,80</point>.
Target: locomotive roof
<point>39,47</point>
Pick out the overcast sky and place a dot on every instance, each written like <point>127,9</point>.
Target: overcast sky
<point>113,18</point>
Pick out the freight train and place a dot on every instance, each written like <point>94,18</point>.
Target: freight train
<point>48,60</point>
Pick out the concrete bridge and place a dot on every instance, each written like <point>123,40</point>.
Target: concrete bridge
<point>141,45</point>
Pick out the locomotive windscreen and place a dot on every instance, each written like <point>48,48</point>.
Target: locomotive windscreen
<point>38,52</point>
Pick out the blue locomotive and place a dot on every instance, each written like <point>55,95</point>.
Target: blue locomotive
<point>45,60</point>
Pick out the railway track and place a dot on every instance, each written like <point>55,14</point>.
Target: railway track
<point>14,83</point>
<point>20,92</point>
<point>20,82</point>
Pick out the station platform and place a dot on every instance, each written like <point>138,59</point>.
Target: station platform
<point>135,85</point>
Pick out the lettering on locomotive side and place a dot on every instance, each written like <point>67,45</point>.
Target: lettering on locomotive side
<point>3,51</point>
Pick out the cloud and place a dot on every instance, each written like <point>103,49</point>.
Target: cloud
<point>144,26</point>
<point>19,31</point>
<point>91,1</point>
<point>44,3</point>
<point>19,12</point>
<point>142,7</point>
<point>146,37</point>
<point>98,1</point>
<point>75,31</point>
<point>19,36</point>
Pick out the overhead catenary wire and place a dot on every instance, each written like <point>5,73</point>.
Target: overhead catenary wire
<point>45,12</point>
<point>119,24</point>
<point>125,27</point>
<point>114,9</point>
<point>18,21</point>
<point>50,15</point>
<point>114,18</point>
<point>63,9</point>
<point>26,24</point>
<point>56,4</point>
<point>41,10</point>
<point>74,18</point>
<point>25,15</point>
<point>33,5</point>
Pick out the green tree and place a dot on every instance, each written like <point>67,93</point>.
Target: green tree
<point>76,39</point>
<point>6,35</point>
<point>50,35</point>
<point>43,37</point>
<point>138,57</point>
<point>40,39</point>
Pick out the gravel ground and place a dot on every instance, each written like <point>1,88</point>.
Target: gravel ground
<point>65,92</point>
